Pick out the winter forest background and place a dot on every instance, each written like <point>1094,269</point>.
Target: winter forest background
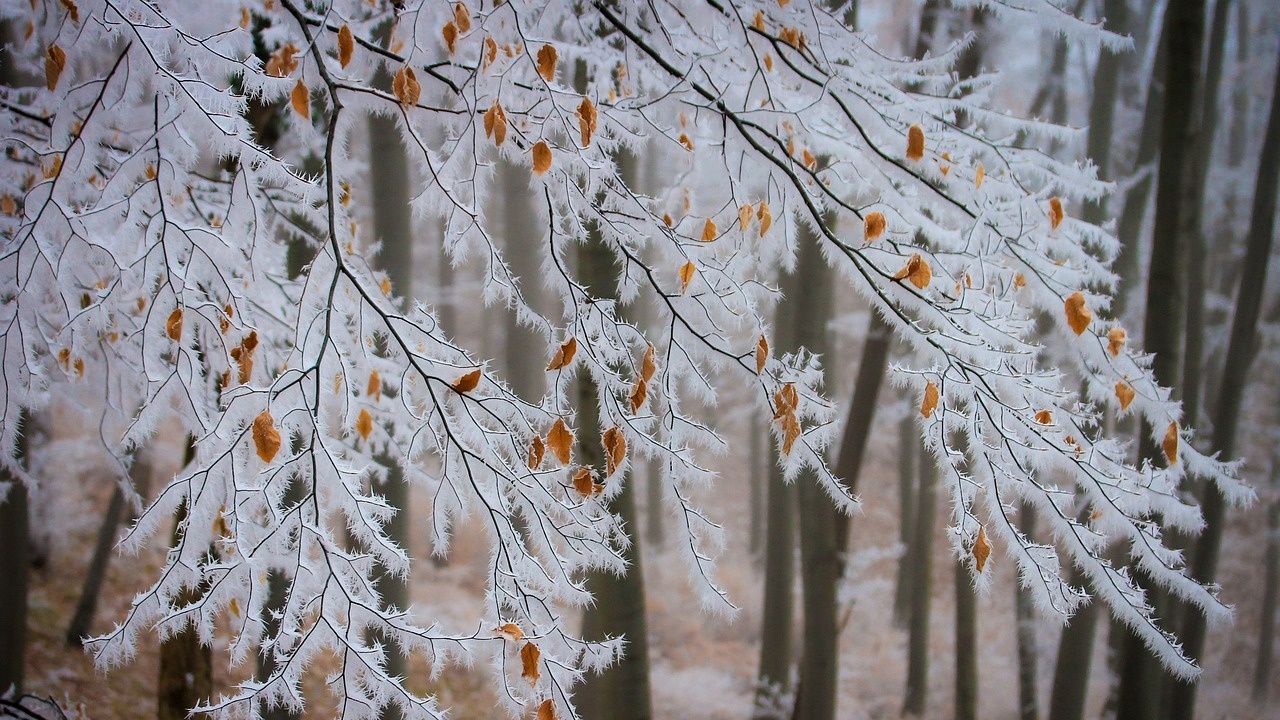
<point>352,349</point>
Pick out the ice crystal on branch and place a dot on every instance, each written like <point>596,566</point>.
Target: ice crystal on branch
<point>147,228</point>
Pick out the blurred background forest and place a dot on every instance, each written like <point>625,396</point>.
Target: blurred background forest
<point>913,635</point>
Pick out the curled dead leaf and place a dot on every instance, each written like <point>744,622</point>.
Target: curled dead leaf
<point>346,45</point>
<point>981,549</point>
<point>648,365</point>
<point>915,143</point>
<point>537,451</point>
<point>1115,340</point>
<point>560,439</point>
<point>173,325</point>
<point>639,392</point>
<point>541,157</point>
<point>615,449</point>
<point>709,231</point>
<point>873,226</point>
<point>529,656</point>
<point>583,482</point>
<point>587,120</point>
<point>406,87</point>
<point>1078,314</point>
<point>495,123</point>
<point>564,355</point>
<point>462,17</point>
<point>930,402</point>
<point>687,272</point>
<point>762,354</point>
<point>547,710</point>
<point>364,424</point>
<point>300,99</point>
<point>54,62</point>
<point>468,382</point>
<point>1170,444</point>
<point>745,213</point>
<point>450,34</point>
<point>1044,417</point>
<point>547,59</point>
<point>1056,213</point>
<point>1125,394</point>
<point>916,271</point>
<point>374,388</point>
<point>266,438</point>
<point>490,52</point>
<point>764,216</point>
<point>511,631</point>
<point>790,432</point>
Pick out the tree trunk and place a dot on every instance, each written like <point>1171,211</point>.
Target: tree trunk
<point>820,566</point>
<point>1240,94</point>
<point>104,547</point>
<point>756,475</point>
<point>15,567</point>
<point>862,413</point>
<point>1241,350</point>
<point>917,695</point>
<point>1028,702</point>
<point>1102,109</point>
<point>524,345</point>
<point>908,451</point>
<point>622,691</point>
<point>966,643</point>
<point>1267,623</point>
<point>1141,674</point>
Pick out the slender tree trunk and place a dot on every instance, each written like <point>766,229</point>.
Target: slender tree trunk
<point>862,413</point>
<point>623,690</point>
<point>1141,676</point>
<point>820,566</point>
<point>1107,77</point>
<point>1240,95</point>
<point>1271,588</point>
<point>908,452</point>
<point>1075,655</point>
<point>104,547</point>
<point>917,694</point>
<point>966,643</point>
<point>1241,350</point>
<point>15,568</point>
<point>757,477</point>
<point>1025,612</point>
<point>523,344</point>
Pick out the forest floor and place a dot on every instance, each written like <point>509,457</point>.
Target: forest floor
<point>704,663</point>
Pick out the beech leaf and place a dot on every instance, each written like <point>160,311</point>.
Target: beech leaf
<point>266,438</point>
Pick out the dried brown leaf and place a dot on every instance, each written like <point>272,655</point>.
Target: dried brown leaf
<point>511,631</point>
<point>1056,213</point>
<point>1170,444</point>
<point>762,354</point>
<point>979,175</point>
<point>547,59</point>
<point>529,656</point>
<point>639,392</point>
<point>981,549</point>
<point>930,402</point>
<point>587,119</point>
<point>450,34</point>
<point>462,18</point>
<point>615,449</point>
<point>173,326</point>
<point>537,451</point>
<point>374,388</point>
<point>648,365</point>
<point>468,382</point>
<point>364,423</point>
<point>1115,340</point>
<point>1078,314</point>
<point>564,355</point>
<point>406,87</point>
<point>266,438</point>
<point>560,440</point>
<point>1044,417</point>
<point>916,271</point>
<point>300,99</point>
<point>915,143</point>
<point>346,45</point>
<point>709,231</point>
<point>541,157</point>
<point>764,216</point>
<point>687,272</point>
<point>873,226</point>
<point>54,62</point>
<point>547,710</point>
<point>1125,394</point>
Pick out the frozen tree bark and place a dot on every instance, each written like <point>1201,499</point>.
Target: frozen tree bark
<point>1241,350</point>
<point>1271,588</point>
<point>908,439</point>
<point>862,413</point>
<point>820,557</point>
<point>523,344</point>
<point>1107,77</point>
<point>921,554</point>
<point>15,568</point>
<point>1025,612</point>
<point>757,476</point>
<point>966,643</point>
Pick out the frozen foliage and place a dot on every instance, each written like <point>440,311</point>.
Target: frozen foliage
<point>146,231</point>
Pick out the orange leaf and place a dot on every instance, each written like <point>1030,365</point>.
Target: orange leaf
<point>687,271</point>
<point>873,226</point>
<point>647,365</point>
<point>547,710</point>
<point>529,656</point>
<point>981,549</point>
<point>173,326</point>
<point>266,438</point>
<point>1078,315</point>
<point>945,167</point>
<point>583,483</point>
<point>547,58</point>
<point>364,423</point>
<point>462,17</point>
<point>1125,394</point>
<point>764,216</point>
<point>916,271</point>
<point>511,631</point>
<point>406,86</point>
<point>468,382</point>
<point>709,231</point>
<point>1044,417</point>
<point>564,355</point>
<point>758,21</point>
<point>72,10</point>
<point>768,62</point>
<point>490,51</point>
<point>346,45</point>
<point>639,392</point>
<point>1115,340</point>
<point>1056,214</point>
<point>375,384</point>
<point>300,98</point>
<point>450,34</point>
<point>537,450</point>
<point>744,216</point>
<point>790,432</point>
<point>587,117</point>
<point>615,448</point>
<point>495,123</point>
<point>561,441</point>
<point>762,354</point>
<point>979,176</point>
<point>282,62</point>
<point>1019,280</point>
<point>930,401</point>
<point>1170,443</point>
<point>541,157</point>
<point>915,142</point>
<point>685,141</point>
<point>55,60</point>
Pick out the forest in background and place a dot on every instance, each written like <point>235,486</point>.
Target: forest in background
<point>905,630</point>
